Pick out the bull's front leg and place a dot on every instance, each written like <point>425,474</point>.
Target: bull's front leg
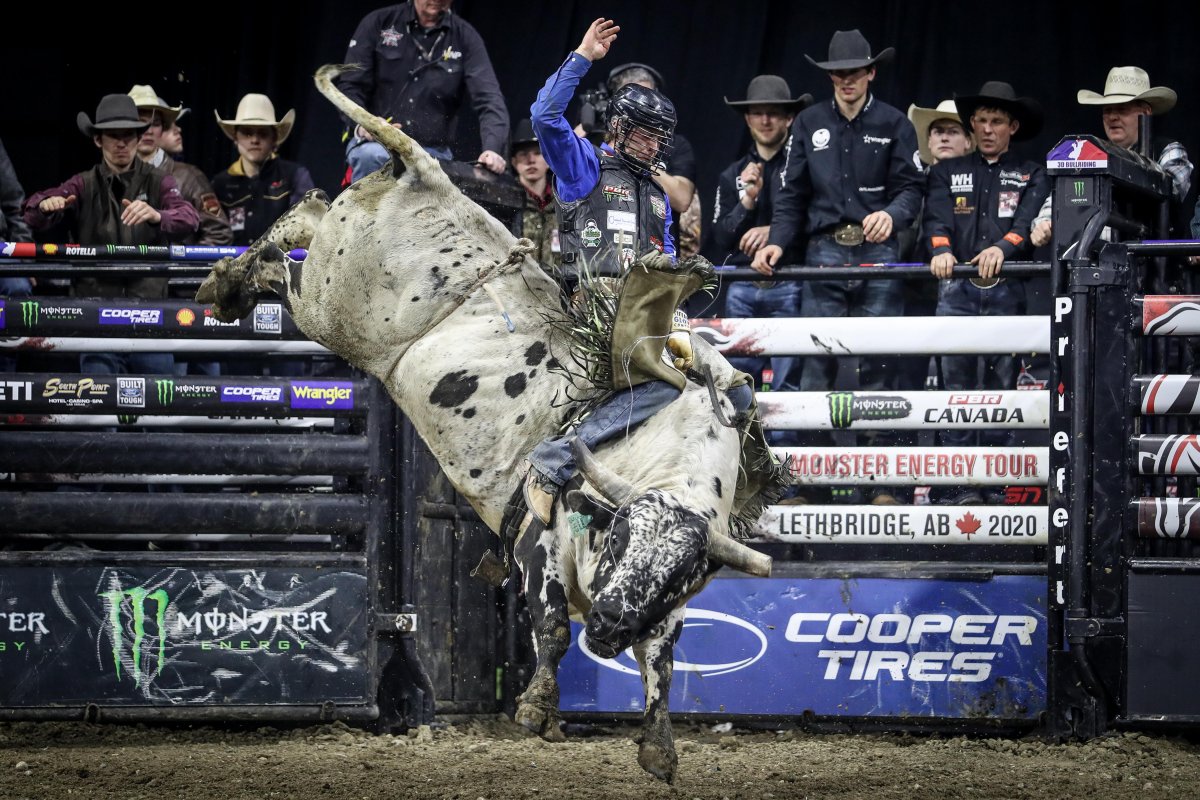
<point>656,658</point>
<point>542,576</point>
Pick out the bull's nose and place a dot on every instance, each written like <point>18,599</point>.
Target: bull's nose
<point>608,631</point>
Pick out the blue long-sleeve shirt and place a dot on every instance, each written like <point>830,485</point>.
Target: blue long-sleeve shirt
<point>571,158</point>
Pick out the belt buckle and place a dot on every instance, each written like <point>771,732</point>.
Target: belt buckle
<point>763,284</point>
<point>849,235</point>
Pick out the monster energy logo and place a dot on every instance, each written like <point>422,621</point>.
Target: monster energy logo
<point>29,312</point>
<point>1079,188</point>
<point>845,408</point>
<point>166,391</point>
<point>137,598</point>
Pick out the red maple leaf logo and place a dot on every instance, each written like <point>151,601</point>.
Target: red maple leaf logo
<point>968,524</point>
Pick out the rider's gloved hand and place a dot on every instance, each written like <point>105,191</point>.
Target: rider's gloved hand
<point>679,342</point>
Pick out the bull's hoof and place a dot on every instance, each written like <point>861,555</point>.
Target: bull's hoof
<point>540,721</point>
<point>658,761</point>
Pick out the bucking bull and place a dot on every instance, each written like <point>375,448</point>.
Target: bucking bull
<point>410,281</point>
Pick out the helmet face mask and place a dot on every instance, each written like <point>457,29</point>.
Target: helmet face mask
<point>642,125</point>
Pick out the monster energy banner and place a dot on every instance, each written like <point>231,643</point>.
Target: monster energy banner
<point>1167,517</point>
<point>1167,455</point>
<point>924,466</point>
<point>137,395</point>
<point>843,336</point>
<point>907,410</point>
<point>1170,315</point>
<point>1169,394</point>
<point>904,524</point>
<point>132,318</point>
<point>172,635</point>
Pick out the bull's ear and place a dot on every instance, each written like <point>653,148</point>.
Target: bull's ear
<point>602,515</point>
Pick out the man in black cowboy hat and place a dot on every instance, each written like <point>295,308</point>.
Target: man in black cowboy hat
<point>849,184</point>
<point>538,221</point>
<point>742,218</point>
<point>980,209</point>
<point>122,200</point>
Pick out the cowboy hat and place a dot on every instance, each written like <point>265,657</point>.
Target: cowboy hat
<point>850,50</point>
<point>116,112</point>
<point>523,134</point>
<point>145,97</point>
<point>922,120</point>
<point>998,94</point>
<point>1125,84</point>
<point>257,111</point>
<point>771,90</point>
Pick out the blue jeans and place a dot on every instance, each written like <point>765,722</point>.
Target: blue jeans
<point>958,297</point>
<point>365,157</point>
<point>621,412</point>
<point>127,363</point>
<point>852,298</point>
<point>13,287</point>
<point>782,299</point>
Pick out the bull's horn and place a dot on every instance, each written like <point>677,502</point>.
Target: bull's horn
<point>615,489</point>
<point>734,554</point>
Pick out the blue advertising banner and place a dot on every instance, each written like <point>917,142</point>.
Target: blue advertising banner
<point>862,647</point>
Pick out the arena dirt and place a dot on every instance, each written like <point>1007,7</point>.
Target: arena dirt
<point>492,758</point>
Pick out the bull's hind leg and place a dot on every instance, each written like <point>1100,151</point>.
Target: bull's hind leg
<point>655,656</point>
<point>546,596</point>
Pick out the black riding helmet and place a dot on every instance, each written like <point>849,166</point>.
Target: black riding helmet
<point>634,107</point>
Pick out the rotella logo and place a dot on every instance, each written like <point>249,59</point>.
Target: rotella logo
<point>166,391</point>
<point>29,313</point>
<point>845,408</point>
<point>128,613</point>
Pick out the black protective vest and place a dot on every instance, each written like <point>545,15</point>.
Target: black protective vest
<point>99,217</point>
<point>624,216</point>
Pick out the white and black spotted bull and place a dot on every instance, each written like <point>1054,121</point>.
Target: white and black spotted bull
<point>410,281</point>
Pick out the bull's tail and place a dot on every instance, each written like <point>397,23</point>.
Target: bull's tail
<point>404,149</point>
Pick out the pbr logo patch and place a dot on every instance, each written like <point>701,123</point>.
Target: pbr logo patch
<point>845,408</point>
<point>388,37</point>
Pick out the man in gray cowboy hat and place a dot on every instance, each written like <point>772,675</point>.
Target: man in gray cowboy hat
<point>849,183</point>
<point>193,184</point>
<point>742,219</point>
<point>122,200</point>
<point>1127,97</point>
<point>979,210</point>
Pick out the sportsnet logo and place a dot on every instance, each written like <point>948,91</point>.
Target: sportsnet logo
<point>250,394</point>
<point>845,408</point>
<point>131,316</point>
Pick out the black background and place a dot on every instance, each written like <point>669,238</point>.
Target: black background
<point>60,62</point>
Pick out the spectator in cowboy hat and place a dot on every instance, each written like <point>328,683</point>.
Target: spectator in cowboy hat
<point>850,184</point>
<point>940,132</point>
<point>172,137</point>
<point>538,221</point>
<point>259,186</point>
<point>152,109</point>
<point>742,221</point>
<point>122,200</point>
<point>979,209</point>
<point>1128,96</point>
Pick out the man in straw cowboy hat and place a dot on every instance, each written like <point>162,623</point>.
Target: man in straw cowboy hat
<point>193,184</point>
<point>1128,96</point>
<point>979,210</point>
<point>849,184</point>
<point>257,188</point>
<point>940,132</point>
<point>742,218</point>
